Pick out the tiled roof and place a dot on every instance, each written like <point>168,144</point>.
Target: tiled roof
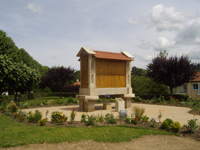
<point>76,83</point>
<point>111,55</point>
<point>198,77</point>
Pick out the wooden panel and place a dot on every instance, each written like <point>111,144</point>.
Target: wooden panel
<point>84,71</point>
<point>110,73</point>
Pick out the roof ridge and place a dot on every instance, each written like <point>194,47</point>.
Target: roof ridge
<point>106,52</point>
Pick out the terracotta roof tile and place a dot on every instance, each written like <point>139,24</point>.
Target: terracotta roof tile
<point>111,55</point>
<point>198,77</point>
<point>76,83</point>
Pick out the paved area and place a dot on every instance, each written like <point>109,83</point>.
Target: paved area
<point>175,113</point>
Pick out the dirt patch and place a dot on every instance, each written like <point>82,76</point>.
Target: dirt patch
<point>147,142</point>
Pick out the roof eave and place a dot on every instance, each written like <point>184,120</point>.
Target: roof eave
<point>87,49</point>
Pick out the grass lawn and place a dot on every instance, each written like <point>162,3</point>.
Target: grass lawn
<point>14,133</point>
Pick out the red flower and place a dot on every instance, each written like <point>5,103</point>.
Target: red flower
<point>136,119</point>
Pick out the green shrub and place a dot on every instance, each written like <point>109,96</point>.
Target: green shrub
<point>158,100</point>
<point>91,120</point>
<point>167,124</point>
<point>37,116</point>
<point>192,125</point>
<point>153,120</point>
<point>153,125</point>
<point>84,118</point>
<point>135,120</point>
<point>138,111</point>
<point>13,107</point>
<point>145,118</point>
<point>30,117</point>
<point>112,120</point>
<point>176,126</point>
<point>107,116</point>
<point>34,117</point>
<point>31,96</point>
<point>58,117</point>
<point>100,118</point>
<point>137,98</point>
<point>21,116</point>
<point>59,101</point>
<point>51,102</point>
<point>71,100</point>
<point>47,90</point>
<point>128,119</point>
<point>42,122</point>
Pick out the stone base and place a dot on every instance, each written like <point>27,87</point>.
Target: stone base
<point>127,102</point>
<point>107,106</point>
<point>86,104</point>
<point>89,106</point>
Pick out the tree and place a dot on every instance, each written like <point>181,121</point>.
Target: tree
<point>198,67</point>
<point>57,77</point>
<point>138,71</point>
<point>8,47</point>
<point>163,54</point>
<point>16,77</point>
<point>172,71</point>
<point>142,85</point>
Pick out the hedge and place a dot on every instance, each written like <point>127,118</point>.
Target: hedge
<point>25,97</point>
<point>167,97</point>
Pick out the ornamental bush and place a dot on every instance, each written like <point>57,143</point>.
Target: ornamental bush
<point>167,124</point>
<point>176,126</point>
<point>58,117</point>
<point>13,107</point>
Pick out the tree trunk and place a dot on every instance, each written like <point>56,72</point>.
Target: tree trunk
<point>11,91</point>
<point>171,90</point>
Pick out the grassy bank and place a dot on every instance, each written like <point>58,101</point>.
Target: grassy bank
<point>14,133</point>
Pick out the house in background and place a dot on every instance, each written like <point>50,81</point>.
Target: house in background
<point>192,88</point>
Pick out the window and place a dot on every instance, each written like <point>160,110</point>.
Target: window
<point>194,86</point>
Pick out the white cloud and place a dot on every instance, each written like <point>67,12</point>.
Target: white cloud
<point>190,34</point>
<point>144,44</point>
<point>163,44</point>
<point>132,21</point>
<point>165,18</point>
<point>34,7</point>
<point>194,55</point>
<point>86,10</point>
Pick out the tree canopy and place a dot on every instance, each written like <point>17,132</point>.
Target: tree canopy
<point>172,71</point>
<point>138,71</point>
<point>57,77</point>
<point>16,76</point>
<point>19,71</point>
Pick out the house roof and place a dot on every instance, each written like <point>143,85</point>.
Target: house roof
<point>105,55</point>
<point>111,55</point>
<point>76,83</point>
<point>197,77</point>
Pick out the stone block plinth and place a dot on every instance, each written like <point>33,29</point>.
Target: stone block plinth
<point>89,105</point>
<point>107,106</point>
<point>127,102</point>
<point>119,104</point>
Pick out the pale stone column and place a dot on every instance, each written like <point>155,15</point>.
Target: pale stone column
<point>89,106</point>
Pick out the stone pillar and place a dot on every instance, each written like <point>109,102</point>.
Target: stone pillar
<point>81,104</point>
<point>89,106</point>
<point>127,102</point>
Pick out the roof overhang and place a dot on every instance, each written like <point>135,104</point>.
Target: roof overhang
<point>87,50</point>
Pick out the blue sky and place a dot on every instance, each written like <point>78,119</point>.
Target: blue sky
<point>53,31</point>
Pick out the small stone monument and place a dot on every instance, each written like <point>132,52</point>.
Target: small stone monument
<point>119,104</point>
